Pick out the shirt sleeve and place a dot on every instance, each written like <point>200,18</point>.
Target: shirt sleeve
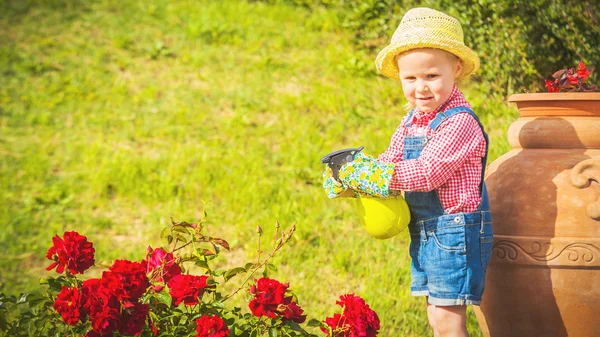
<point>456,140</point>
<point>393,154</point>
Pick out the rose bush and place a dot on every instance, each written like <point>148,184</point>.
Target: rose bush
<point>159,296</point>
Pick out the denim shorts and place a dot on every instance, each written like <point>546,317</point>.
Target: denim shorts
<point>450,255</point>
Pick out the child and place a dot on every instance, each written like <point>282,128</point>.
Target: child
<point>437,156</point>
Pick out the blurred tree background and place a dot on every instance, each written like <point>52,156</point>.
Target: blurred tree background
<point>520,42</point>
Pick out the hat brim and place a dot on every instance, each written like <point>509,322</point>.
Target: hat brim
<point>386,63</point>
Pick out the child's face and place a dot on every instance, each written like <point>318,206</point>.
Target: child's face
<point>428,76</point>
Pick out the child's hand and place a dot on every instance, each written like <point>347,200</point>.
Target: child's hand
<point>334,188</point>
<point>368,176</point>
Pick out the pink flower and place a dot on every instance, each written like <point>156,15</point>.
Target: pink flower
<point>162,267</point>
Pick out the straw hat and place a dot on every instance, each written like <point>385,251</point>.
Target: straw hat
<point>426,28</point>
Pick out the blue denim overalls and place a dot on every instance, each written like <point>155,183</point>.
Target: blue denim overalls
<point>450,252</point>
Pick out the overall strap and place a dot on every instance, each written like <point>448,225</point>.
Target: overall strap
<point>410,116</point>
<point>443,115</point>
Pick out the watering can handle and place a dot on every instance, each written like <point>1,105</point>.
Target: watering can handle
<point>336,159</point>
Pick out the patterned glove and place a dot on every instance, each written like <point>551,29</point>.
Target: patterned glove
<point>334,188</point>
<point>368,177</point>
<point>362,157</point>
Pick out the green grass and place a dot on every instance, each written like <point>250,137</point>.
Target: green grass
<point>115,116</point>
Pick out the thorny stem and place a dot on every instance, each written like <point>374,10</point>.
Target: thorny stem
<point>259,231</point>
<point>285,237</point>
<point>183,246</point>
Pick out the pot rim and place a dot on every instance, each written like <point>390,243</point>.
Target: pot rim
<point>555,96</point>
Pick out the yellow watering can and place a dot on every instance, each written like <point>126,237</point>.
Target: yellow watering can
<point>381,218</point>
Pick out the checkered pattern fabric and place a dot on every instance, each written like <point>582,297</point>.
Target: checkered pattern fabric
<point>450,162</point>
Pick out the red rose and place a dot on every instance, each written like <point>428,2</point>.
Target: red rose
<point>161,265</point>
<point>339,325</point>
<point>357,318</point>
<point>363,318</point>
<point>268,295</point>
<point>187,288</point>
<point>107,319</point>
<point>291,311</point>
<point>102,306</point>
<point>94,295</point>
<point>133,320</point>
<point>67,304</point>
<point>74,252</point>
<point>211,326</point>
<point>127,279</point>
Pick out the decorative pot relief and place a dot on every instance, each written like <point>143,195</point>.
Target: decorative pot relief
<point>582,176</point>
<point>558,252</point>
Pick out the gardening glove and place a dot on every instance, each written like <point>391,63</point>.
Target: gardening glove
<point>363,157</point>
<point>369,177</point>
<point>334,188</point>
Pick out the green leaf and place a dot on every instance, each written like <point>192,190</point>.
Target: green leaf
<point>181,238</point>
<point>220,242</point>
<point>202,263</point>
<point>165,232</point>
<point>314,323</point>
<point>181,229</point>
<point>207,252</point>
<point>273,332</point>
<point>294,326</point>
<point>218,272</point>
<point>36,299</point>
<point>164,298</point>
<point>219,305</point>
<point>232,272</point>
<point>272,267</point>
<point>3,323</point>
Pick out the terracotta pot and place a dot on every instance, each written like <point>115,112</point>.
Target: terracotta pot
<point>544,275</point>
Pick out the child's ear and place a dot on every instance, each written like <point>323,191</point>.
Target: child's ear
<point>458,68</point>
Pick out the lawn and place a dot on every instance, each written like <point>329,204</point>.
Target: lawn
<point>116,116</point>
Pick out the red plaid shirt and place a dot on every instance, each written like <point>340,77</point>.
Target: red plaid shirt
<point>451,161</point>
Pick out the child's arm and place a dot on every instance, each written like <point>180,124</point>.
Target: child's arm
<point>454,142</point>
